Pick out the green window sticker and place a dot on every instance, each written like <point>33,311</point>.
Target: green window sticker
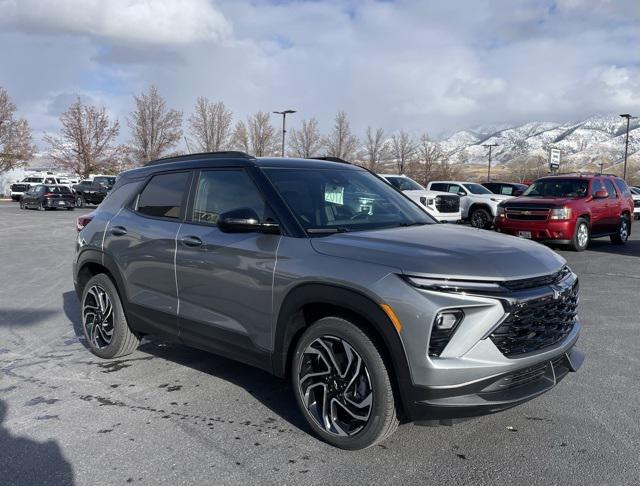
<point>334,194</point>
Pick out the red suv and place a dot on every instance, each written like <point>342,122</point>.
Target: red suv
<point>569,210</point>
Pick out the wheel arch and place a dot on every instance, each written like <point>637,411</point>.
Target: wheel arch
<point>309,302</point>
<point>479,205</point>
<point>92,262</point>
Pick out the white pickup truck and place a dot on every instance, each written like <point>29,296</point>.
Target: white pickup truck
<point>17,189</point>
<point>478,204</point>
<point>442,206</point>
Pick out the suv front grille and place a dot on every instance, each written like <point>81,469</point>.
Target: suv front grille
<point>530,283</point>
<point>537,324</point>
<point>448,204</point>
<point>19,187</point>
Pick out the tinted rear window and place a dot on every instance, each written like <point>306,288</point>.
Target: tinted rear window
<point>162,197</point>
<point>58,189</point>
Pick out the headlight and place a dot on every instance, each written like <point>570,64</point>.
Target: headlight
<point>561,213</point>
<point>452,285</point>
<point>500,212</point>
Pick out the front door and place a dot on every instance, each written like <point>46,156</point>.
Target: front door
<point>599,209</point>
<point>225,279</point>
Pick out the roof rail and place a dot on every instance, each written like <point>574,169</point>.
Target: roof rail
<point>230,154</point>
<point>331,159</point>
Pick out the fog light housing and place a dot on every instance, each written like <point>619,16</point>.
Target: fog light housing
<point>444,325</point>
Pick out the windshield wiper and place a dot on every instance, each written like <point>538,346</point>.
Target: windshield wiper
<point>327,231</point>
<point>415,223</point>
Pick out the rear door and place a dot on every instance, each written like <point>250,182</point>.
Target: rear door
<point>141,239</point>
<point>225,279</point>
<point>599,209</point>
<point>613,205</point>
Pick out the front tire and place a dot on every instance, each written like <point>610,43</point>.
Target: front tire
<point>104,324</point>
<point>80,202</point>
<point>581,235</point>
<point>343,386</point>
<point>22,204</point>
<point>481,218</point>
<point>624,229</point>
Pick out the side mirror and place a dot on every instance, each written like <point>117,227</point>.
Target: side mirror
<point>601,195</point>
<point>245,220</point>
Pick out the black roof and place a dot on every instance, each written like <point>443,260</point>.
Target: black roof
<point>232,159</point>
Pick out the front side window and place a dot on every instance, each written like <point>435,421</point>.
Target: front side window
<point>456,189</point>
<point>574,188</point>
<point>331,200</point>
<point>220,191</point>
<point>438,186</point>
<point>162,197</point>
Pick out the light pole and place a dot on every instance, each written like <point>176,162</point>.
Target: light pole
<point>490,145</point>
<point>626,143</point>
<point>284,118</point>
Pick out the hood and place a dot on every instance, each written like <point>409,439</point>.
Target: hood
<point>550,202</point>
<point>427,193</point>
<point>444,250</point>
<point>498,197</point>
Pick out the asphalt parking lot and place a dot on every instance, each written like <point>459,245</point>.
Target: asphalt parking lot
<point>172,415</point>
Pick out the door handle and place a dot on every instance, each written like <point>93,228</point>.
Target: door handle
<point>118,231</point>
<point>191,241</point>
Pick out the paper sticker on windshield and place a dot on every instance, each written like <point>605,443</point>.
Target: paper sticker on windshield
<point>334,194</point>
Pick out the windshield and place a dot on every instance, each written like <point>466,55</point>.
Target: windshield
<point>635,191</point>
<point>32,179</point>
<point>405,184</point>
<point>575,188</point>
<point>332,200</point>
<point>477,189</point>
<point>109,181</point>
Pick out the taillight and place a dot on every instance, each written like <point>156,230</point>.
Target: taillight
<point>83,221</point>
<point>48,194</point>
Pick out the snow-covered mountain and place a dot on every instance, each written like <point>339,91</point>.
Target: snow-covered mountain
<point>598,138</point>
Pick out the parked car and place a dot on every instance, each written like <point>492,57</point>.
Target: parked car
<point>442,206</point>
<point>477,203</point>
<point>93,191</point>
<point>570,210</point>
<point>635,195</point>
<point>48,196</point>
<point>374,311</point>
<point>505,188</point>
<point>17,189</point>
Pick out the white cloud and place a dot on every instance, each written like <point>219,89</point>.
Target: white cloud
<point>153,22</point>
<point>435,66</point>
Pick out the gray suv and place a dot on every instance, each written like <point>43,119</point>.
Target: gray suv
<point>321,271</point>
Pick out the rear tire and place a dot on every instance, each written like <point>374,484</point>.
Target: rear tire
<point>356,381</point>
<point>104,324</point>
<point>40,207</point>
<point>581,235</point>
<point>80,202</point>
<point>622,234</point>
<point>22,204</point>
<point>481,218</point>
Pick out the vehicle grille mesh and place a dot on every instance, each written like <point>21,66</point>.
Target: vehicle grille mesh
<point>537,324</point>
<point>448,204</point>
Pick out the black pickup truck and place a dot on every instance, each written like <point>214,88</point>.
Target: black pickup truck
<point>93,191</point>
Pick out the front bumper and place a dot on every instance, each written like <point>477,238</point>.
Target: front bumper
<point>447,218</point>
<point>550,230</point>
<point>16,196</point>
<point>432,406</point>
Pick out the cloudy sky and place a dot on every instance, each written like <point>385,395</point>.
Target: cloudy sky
<point>427,65</point>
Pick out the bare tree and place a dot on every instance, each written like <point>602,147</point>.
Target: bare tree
<point>240,137</point>
<point>307,141</point>
<point>376,148</point>
<point>257,136</point>
<point>210,125</point>
<point>341,142</point>
<point>156,129</point>
<point>429,154</point>
<point>403,147</point>
<point>16,144</point>
<point>87,142</point>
